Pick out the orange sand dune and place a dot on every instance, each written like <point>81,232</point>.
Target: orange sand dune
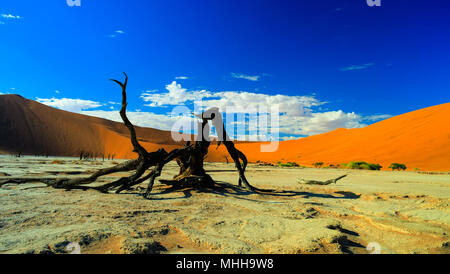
<point>419,139</point>
<point>29,127</point>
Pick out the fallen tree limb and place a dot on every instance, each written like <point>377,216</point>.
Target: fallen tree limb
<point>313,182</point>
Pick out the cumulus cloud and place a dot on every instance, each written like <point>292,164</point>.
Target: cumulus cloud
<point>298,114</point>
<point>238,101</point>
<point>254,78</point>
<point>176,95</point>
<point>145,119</point>
<point>73,105</point>
<point>249,102</point>
<point>357,67</point>
<point>181,78</point>
<point>319,122</point>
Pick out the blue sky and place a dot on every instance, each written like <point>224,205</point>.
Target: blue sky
<point>327,64</point>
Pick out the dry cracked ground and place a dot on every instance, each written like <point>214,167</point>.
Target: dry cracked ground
<point>397,212</point>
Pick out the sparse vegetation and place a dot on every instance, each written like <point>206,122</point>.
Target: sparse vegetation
<point>397,166</point>
<point>288,164</point>
<point>318,164</point>
<point>361,165</point>
<point>261,163</point>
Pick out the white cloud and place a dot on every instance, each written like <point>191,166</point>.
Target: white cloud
<point>319,122</point>
<point>377,117</point>
<point>357,67</point>
<point>116,33</point>
<point>254,78</point>
<point>176,95</point>
<point>181,78</point>
<point>239,101</point>
<point>247,101</point>
<point>73,105</point>
<point>57,91</point>
<point>10,16</point>
<point>144,119</point>
<point>285,138</point>
<point>298,114</point>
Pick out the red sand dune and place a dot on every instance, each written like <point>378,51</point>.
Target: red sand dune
<point>419,139</point>
<point>31,128</point>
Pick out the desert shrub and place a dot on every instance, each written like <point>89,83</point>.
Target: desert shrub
<point>397,166</point>
<point>261,163</point>
<point>288,164</point>
<point>376,166</point>
<point>361,165</point>
<point>318,164</point>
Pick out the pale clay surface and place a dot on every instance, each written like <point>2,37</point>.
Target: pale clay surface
<point>402,212</point>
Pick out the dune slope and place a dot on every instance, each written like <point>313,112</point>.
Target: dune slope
<point>29,127</point>
<point>419,139</point>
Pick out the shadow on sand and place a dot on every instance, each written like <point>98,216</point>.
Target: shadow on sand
<point>229,190</point>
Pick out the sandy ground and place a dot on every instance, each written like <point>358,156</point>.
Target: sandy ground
<point>399,212</point>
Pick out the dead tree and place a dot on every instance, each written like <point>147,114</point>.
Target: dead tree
<point>190,159</point>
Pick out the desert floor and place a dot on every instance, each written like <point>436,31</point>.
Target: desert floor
<point>397,212</point>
